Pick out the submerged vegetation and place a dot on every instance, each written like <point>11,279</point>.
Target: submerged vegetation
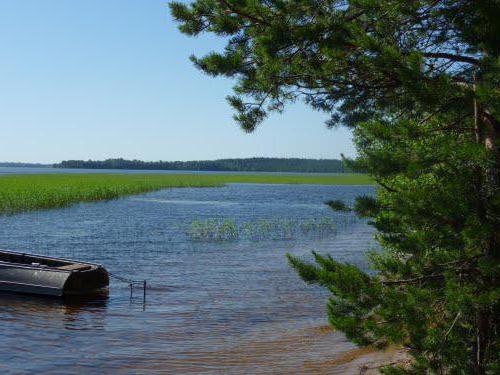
<point>220,230</point>
<point>40,191</point>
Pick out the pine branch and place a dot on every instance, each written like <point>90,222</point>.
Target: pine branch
<point>250,17</point>
<point>452,325</point>
<point>451,56</point>
<point>388,188</point>
<point>415,280</point>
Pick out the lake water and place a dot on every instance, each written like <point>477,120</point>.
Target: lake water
<point>212,307</point>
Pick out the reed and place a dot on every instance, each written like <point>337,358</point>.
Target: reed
<point>29,192</point>
<point>280,228</point>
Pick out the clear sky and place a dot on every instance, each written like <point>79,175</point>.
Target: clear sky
<point>95,79</point>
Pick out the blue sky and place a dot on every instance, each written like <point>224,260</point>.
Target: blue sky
<point>99,79</point>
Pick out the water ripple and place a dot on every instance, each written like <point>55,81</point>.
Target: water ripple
<point>212,307</point>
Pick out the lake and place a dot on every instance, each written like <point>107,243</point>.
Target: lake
<point>212,306</point>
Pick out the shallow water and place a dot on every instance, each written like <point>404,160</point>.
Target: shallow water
<point>212,307</point>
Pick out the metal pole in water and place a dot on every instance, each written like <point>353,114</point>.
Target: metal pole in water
<point>131,289</point>
<point>144,291</point>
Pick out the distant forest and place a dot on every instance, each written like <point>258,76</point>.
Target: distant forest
<point>24,165</point>
<point>223,165</point>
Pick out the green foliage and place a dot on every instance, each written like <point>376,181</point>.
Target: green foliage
<point>40,191</point>
<point>419,83</point>
<point>220,230</point>
<point>338,205</point>
<point>352,59</point>
<point>216,230</point>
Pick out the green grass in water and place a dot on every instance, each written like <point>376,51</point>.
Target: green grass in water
<point>41,191</point>
<point>221,230</point>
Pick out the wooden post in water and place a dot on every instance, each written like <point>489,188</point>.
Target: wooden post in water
<point>144,291</point>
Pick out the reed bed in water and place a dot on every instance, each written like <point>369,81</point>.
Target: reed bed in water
<point>279,228</point>
<point>41,191</point>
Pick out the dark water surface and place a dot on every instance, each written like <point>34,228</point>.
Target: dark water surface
<point>212,307</point>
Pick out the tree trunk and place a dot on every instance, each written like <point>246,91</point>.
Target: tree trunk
<point>486,131</point>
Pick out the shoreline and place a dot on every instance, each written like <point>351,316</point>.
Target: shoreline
<point>315,349</point>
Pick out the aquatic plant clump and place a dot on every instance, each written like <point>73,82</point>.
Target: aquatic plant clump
<point>215,229</point>
<point>29,192</point>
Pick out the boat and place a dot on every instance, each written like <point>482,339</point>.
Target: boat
<point>42,275</point>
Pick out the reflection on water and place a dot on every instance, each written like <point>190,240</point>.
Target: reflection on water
<point>68,310</point>
<point>212,307</point>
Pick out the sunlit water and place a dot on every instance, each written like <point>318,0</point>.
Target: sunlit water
<point>212,307</point>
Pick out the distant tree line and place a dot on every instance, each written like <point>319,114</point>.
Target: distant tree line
<point>223,165</point>
<point>23,165</point>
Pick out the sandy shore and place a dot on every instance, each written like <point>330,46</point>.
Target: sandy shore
<point>363,361</point>
<point>312,349</point>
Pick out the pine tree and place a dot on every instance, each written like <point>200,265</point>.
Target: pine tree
<point>419,84</point>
